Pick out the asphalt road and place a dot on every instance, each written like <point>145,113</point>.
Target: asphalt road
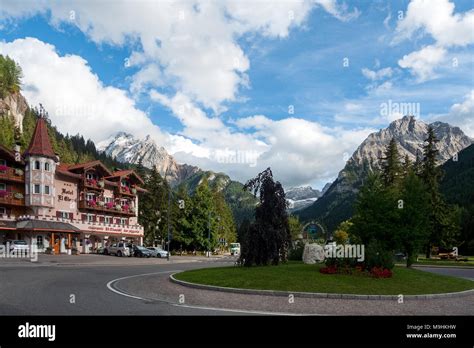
<point>121,286</point>
<point>467,273</point>
<point>47,290</point>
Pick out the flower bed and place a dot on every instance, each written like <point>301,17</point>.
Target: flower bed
<point>3,168</point>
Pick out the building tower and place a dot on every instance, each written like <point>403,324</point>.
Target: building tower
<point>41,164</point>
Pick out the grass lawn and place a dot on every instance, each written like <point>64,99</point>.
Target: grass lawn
<point>296,276</point>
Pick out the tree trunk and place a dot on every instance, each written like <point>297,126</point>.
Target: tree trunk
<point>428,251</point>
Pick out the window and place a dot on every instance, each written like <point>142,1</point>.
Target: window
<point>90,197</point>
<point>64,215</point>
<point>46,190</point>
<point>90,218</point>
<point>36,189</point>
<point>89,176</point>
<point>3,187</point>
<point>108,220</point>
<point>39,241</point>
<point>123,202</point>
<point>3,162</point>
<point>3,211</point>
<point>46,166</point>
<point>37,165</point>
<point>123,221</point>
<point>108,199</point>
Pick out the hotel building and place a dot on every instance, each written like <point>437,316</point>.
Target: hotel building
<point>65,207</point>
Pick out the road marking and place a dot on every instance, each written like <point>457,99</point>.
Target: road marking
<point>111,288</point>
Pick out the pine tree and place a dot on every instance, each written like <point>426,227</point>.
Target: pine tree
<point>391,168</point>
<point>443,226</point>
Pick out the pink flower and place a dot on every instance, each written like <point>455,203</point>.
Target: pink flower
<point>3,168</point>
<point>3,193</point>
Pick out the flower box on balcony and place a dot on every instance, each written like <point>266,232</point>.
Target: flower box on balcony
<point>101,203</point>
<point>134,190</point>
<point>19,172</point>
<point>118,207</point>
<point>101,183</point>
<point>91,203</point>
<point>109,205</point>
<point>92,182</point>
<point>18,195</point>
<point>3,168</point>
<point>3,193</point>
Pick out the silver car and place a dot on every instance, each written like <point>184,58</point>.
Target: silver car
<point>158,252</point>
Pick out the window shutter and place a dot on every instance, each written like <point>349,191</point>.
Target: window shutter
<point>101,219</point>
<point>58,213</point>
<point>71,216</point>
<point>84,217</point>
<point>94,218</point>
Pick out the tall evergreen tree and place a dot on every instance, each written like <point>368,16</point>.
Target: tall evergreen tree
<point>390,163</point>
<point>268,239</point>
<point>443,226</point>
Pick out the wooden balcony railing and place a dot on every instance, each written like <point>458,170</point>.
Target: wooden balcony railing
<point>83,204</point>
<point>12,174</point>
<point>11,199</point>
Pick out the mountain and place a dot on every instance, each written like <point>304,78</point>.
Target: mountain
<point>241,202</point>
<point>457,187</point>
<point>301,197</point>
<point>337,202</point>
<point>126,148</point>
<point>14,105</point>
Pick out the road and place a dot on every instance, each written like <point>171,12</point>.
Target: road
<point>99,285</point>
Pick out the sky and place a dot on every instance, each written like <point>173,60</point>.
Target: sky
<point>239,86</point>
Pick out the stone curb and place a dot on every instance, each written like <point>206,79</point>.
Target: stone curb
<point>443,266</point>
<point>319,295</point>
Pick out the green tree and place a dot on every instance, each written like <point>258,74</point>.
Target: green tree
<point>10,76</point>
<point>443,223</point>
<point>268,239</point>
<point>296,228</point>
<point>413,225</point>
<point>226,226</point>
<point>390,164</point>
<point>341,235</point>
<point>153,208</point>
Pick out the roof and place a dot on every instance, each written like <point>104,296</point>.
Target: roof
<point>63,169</point>
<point>121,173</point>
<point>46,225</point>
<point>40,144</point>
<point>91,164</point>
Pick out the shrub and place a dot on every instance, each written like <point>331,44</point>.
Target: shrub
<point>377,256</point>
<point>296,253</point>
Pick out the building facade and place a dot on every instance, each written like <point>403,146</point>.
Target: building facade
<point>65,207</point>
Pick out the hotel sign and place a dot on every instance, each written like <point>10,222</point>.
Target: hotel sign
<point>113,230</point>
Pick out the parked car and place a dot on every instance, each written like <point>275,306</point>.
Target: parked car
<point>158,252</point>
<point>140,251</point>
<point>234,249</point>
<point>119,249</point>
<point>16,245</point>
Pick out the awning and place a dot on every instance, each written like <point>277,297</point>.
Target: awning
<point>41,225</point>
<point>7,225</point>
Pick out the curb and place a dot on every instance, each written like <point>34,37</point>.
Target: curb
<point>442,266</point>
<point>319,295</point>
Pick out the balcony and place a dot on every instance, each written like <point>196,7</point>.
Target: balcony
<point>83,204</point>
<point>12,198</point>
<point>94,184</point>
<point>127,191</point>
<point>12,174</point>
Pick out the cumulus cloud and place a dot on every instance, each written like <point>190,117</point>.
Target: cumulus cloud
<point>423,62</point>
<point>462,114</point>
<point>77,101</point>
<point>437,19</point>
<point>375,75</point>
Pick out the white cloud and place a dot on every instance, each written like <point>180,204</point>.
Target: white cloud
<point>77,101</point>
<point>190,45</point>
<point>423,62</point>
<point>437,19</point>
<point>375,75</point>
<point>462,114</point>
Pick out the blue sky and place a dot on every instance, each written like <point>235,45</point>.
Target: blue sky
<point>212,80</point>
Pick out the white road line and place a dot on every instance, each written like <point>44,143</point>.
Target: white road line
<point>111,288</point>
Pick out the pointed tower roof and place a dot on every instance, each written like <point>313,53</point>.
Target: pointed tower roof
<point>40,144</point>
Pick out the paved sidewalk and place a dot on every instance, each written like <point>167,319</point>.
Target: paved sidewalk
<point>160,288</point>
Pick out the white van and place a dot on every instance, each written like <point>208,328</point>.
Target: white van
<point>234,249</point>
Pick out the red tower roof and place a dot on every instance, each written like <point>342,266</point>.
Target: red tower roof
<point>40,144</point>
